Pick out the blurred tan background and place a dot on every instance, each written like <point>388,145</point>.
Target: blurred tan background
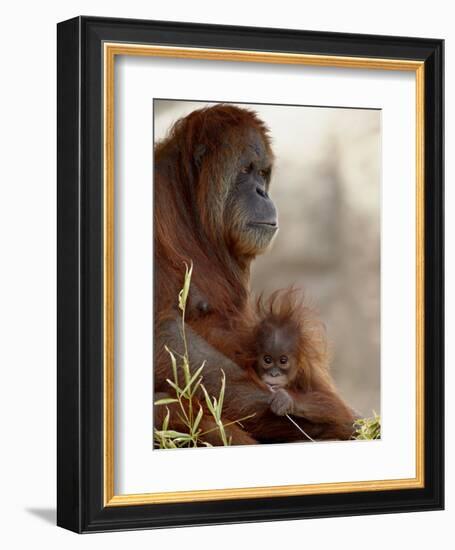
<point>326,185</point>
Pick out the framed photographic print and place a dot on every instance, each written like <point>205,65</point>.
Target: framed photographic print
<point>250,274</point>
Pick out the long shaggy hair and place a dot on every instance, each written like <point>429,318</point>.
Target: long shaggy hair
<point>195,168</point>
<point>286,309</point>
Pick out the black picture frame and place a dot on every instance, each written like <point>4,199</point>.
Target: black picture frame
<point>80,478</point>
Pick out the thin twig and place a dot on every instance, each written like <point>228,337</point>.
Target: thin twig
<point>300,429</point>
<point>295,423</point>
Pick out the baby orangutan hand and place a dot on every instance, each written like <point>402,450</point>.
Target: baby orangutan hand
<point>282,403</point>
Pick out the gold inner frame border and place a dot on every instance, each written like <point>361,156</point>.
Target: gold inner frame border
<point>110,51</point>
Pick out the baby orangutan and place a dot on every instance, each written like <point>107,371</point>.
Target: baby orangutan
<point>288,352</point>
<point>281,350</point>
<point>283,347</point>
<point>277,364</point>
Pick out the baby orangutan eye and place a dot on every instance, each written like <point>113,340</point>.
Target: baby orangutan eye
<point>283,359</point>
<point>268,359</point>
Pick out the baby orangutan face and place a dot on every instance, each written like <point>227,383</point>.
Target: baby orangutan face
<point>276,358</point>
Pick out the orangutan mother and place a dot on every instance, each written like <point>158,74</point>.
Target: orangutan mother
<point>212,208</point>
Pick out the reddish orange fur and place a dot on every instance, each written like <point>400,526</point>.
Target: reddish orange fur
<point>188,208</point>
<point>188,227</point>
<point>287,308</point>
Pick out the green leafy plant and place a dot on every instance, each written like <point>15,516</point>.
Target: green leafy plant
<point>368,428</point>
<point>188,388</point>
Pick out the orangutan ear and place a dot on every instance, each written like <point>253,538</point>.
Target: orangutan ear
<point>199,152</point>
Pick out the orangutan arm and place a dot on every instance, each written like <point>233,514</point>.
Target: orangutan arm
<point>325,416</point>
<point>242,395</point>
<point>315,406</point>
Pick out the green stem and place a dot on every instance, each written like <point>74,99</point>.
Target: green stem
<point>228,424</point>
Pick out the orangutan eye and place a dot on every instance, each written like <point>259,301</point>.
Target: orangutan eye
<point>246,169</point>
<point>268,359</point>
<point>283,359</point>
<point>263,173</point>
